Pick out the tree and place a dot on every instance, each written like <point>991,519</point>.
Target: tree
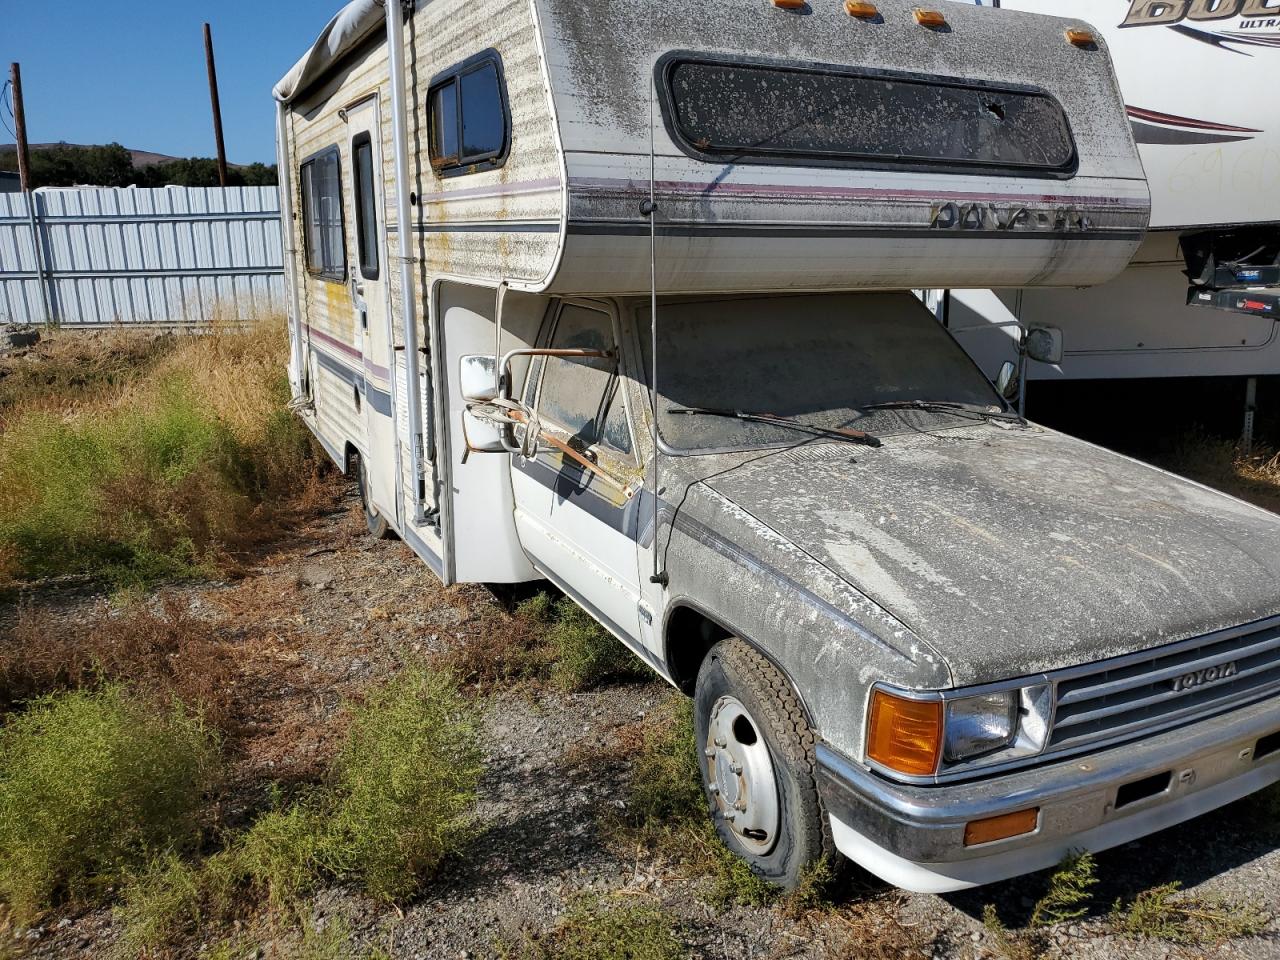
<point>68,165</point>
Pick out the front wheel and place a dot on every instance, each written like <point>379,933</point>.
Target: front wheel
<point>373,519</point>
<point>758,765</point>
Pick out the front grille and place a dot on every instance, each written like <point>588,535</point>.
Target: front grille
<point>1167,686</point>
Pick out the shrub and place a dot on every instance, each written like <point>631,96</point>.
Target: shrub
<point>1165,913</point>
<point>167,652</point>
<point>599,929</point>
<point>91,783</point>
<point>1069,892</point>
<point>585,653</point>
<point>157,476</point>
<point>163,902</point>
<point>280,857</point>
<point>546,639</point>
<point>405,783</point>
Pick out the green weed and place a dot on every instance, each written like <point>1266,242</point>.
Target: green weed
<point>602,929</point>
<point>1166,913</point>
<point>1069,892</point>
<point>159,476</point>
<point>547,639</point>
<point>1007,943</point>
<point>91,784</point>
<point>405,783</point>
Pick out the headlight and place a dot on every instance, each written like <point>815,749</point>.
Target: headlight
<point>977,725</point>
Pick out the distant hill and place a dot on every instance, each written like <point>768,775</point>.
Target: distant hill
<point>141,158</point>
<point>112,165</point>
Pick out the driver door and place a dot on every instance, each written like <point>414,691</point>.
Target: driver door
<point>576,523</point>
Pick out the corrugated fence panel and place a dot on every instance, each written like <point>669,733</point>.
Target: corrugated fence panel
<point>174,256</point>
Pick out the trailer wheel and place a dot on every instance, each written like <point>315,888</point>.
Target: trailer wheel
<point>758,767</point>
<point>374,520</point>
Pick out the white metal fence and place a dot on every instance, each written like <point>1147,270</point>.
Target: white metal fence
<point>174,256</point>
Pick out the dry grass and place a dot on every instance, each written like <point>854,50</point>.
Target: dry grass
<point>69,371</point>
<point>1167,913</point>
<point>162,470</point>
<point>166,651</point>
<point>1220,464</point>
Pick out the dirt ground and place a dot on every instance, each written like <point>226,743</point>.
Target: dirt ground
<point>328,610</point>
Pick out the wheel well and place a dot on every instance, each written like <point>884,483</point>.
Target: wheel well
<point>350,455</point>
<point>690,636</point>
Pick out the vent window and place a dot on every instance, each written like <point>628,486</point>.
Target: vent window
<point>783,114</point>
<point>469,123</point>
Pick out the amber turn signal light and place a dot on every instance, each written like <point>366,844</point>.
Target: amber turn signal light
<point>1002,827</point>
<point>1081,38</point>
<point>929,18</point>
<point>861,10</point>
<point>905,735</point>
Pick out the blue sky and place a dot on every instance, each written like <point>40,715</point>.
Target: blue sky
<point>132,71</point>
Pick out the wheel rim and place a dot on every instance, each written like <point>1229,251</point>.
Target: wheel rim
<point>741,777</point>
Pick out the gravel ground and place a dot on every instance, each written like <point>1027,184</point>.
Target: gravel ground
<point>327,611</point>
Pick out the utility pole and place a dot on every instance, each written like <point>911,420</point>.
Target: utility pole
<point>217,111</point>
<point>20,127</point>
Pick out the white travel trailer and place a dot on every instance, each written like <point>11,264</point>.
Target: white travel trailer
<point>1199,84</point>
<point>617,295</point>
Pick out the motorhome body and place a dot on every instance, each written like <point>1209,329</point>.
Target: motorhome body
<point>1211,152</point>
<point>661,253</point>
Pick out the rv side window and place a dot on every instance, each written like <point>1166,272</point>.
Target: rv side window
<point>469,124</point>
<point>582,395</point>
<point>322,218</point>
<point>823,116</point>
<point>366,205</point>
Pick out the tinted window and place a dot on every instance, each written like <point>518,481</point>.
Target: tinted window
<point>366,206</point>
<point>783,114</point>
<point>581,394</point>
<point>444,125</point>
<point>322,218</point>
<point>469,119</point>
<point>484,126</point>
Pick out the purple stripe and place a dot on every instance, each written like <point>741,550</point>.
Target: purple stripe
<point>797,191</point>
<point>505,190</point>
<point>345,348</point>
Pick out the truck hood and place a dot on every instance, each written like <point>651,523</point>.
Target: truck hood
<point>1022,550</point>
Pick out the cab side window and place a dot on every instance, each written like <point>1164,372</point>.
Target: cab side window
<point>582,394</point>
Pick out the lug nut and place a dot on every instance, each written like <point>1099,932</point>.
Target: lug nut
<point>735,768</point>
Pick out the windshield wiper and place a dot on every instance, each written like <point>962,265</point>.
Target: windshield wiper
<point>836,433</point>
<point>969,411</point>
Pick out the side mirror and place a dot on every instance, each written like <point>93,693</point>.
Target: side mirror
<point>1044,344</point>
<point>478,377</point>
<point>1007,380</point>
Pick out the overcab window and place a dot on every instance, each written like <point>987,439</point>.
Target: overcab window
<point>837,116</point>
<point>469,125</point>
<point>322,217</point>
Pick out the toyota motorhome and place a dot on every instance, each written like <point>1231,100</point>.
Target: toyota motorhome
<point>617,295</point>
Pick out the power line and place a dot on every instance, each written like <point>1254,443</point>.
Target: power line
<point>4,98</point>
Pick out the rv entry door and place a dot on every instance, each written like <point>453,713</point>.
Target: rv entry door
<point>369,297</point>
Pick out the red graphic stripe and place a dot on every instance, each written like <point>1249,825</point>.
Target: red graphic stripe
<point>1169,120</point>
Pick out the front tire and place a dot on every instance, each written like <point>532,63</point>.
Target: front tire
<point>756,754</point>
<point>374,520</point>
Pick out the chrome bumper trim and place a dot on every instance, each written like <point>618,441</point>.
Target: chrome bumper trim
<point>925,823</point>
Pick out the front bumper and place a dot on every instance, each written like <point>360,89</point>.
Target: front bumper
<point>913,836</point>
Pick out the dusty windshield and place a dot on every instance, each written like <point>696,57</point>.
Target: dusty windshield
<point>822,360</point>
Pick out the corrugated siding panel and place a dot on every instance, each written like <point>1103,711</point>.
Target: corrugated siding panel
<point>121,255</point>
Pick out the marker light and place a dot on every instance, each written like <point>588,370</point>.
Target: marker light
<point>905,735</point>
<point>1002,827</point>
<point>1081,38</point>
<point>929,18</point>
<point>861,10</point>
<point>789,4</point>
